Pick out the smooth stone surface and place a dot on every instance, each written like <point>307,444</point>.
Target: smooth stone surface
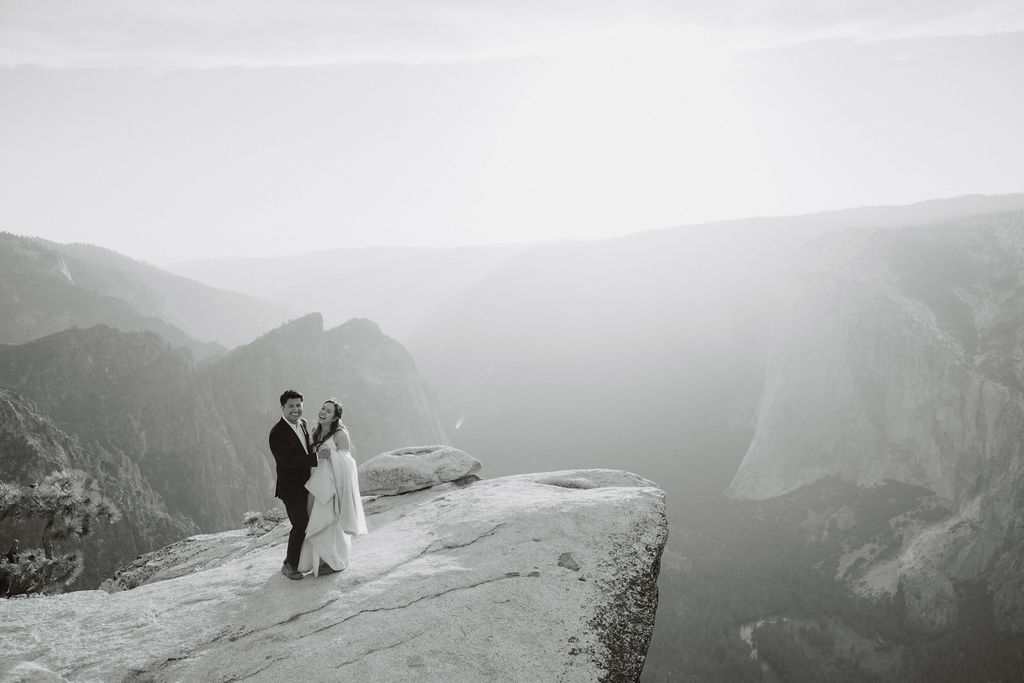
<point>455,583</point>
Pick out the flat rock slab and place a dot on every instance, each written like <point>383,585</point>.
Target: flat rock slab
<point>502,580</point>
<point>193,554</point>
<point>414,468</point>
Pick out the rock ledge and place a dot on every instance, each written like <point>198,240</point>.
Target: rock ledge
<point>507,579</point>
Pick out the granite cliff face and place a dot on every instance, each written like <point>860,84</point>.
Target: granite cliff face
<point>545,577</point>
<point>897,354</point>
<point>187,443</point>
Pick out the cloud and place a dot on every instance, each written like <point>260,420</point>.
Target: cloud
<point>204,34</point>
<point>173,34</point>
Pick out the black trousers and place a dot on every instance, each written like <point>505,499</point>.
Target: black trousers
<point>299,517</point>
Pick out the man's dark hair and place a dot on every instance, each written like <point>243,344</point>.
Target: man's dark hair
<point>291,393</point>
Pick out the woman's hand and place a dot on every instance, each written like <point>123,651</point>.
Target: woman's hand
<point>323,452</point>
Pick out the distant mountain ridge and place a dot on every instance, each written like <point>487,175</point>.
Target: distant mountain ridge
<point>397,287</point>
<point>47,287</point>
<point>38,296</point>
<point>652,343</point>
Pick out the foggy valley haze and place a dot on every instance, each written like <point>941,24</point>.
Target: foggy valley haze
<point>767,256</point>
<point>682,354</point>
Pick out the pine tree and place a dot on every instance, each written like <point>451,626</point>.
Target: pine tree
<point>67,502</point>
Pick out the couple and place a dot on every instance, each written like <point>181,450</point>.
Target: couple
<point>318,482</point>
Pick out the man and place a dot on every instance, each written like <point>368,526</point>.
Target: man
<point>289,442</point>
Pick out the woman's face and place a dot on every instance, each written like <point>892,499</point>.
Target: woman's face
<point>326,412</point>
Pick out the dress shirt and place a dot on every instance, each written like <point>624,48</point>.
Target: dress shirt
<point>297,428</point>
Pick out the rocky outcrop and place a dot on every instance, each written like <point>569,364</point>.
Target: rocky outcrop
<point>896,355</point>
<point>892,357</point>
<point>507,580</point>
<point>410,469</point>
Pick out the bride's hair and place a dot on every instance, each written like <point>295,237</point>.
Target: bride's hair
<point>335,423</point>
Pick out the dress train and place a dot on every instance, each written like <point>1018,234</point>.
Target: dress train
<point>336,512</point>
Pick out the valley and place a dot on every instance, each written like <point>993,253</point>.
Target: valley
<point>832,403</point>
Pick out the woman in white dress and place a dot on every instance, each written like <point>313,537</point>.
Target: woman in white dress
<point>336,510</point>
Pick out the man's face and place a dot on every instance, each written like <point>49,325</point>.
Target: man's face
<point>292,409</point>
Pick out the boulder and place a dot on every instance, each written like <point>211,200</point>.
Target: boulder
<point>506,579</point>
<point>414,468</point>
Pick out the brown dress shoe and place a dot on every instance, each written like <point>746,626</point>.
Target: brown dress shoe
<point>325,569</point>
<point>291,572</point>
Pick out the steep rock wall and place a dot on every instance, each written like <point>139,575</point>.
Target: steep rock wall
<point>897,354</point>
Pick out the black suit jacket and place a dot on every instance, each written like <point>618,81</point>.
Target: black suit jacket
<point>293,459</point>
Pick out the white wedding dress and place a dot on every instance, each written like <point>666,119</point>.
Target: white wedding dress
<point>336,513</point>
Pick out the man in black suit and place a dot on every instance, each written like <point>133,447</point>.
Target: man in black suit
<point>289,442</point>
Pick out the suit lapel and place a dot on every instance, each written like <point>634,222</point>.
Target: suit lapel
<point>302,424</point>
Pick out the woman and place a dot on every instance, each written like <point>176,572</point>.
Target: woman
<point>336,509</point>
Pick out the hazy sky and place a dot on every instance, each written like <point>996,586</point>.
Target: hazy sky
<point>181,129</point>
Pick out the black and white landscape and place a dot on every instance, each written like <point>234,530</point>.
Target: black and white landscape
<point>719,309</point>
<point>844,386</point>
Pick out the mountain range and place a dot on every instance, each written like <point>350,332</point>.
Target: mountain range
<point>181,446</point>
<point>49,287</point>
<point>757,357</point>
<point>652,346</point>
<point>399,288</point>
<point>585,353</point>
